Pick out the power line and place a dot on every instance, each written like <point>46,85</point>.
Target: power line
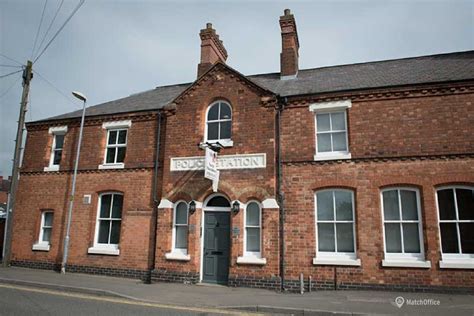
<point>11,59</point>
<point>60,29</point>
<point>11,73</point>
<point>39,28</point>
<point>9,88</point>
<point>50,25</point>
<point>11,66</point>
<point>54,87</point>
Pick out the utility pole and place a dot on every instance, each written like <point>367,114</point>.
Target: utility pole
<point>27,76</point>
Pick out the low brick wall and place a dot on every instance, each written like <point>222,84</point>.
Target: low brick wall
<point>124,273</point>
<point>253,282</point>
<point>174,276</point>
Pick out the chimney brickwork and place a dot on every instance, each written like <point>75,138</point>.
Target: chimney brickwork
<point>290,46</point>
<point>212,49</point>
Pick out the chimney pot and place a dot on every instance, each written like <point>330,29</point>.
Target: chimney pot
<point>208,25</point>
<point>287,11</point>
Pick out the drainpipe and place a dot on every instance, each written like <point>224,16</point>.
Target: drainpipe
<point>154,217</point>
<point>281,102</point>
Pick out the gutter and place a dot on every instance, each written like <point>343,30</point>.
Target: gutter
<point>154,217</point>
<point>281,103</point>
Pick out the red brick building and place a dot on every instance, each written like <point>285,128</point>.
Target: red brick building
<point>353,176</point>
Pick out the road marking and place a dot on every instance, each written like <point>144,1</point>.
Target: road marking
<point>126,301</point>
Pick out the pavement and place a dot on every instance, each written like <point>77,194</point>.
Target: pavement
<point>242,299</point>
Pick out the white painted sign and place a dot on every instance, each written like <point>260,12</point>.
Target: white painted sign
<point>227,162</point>
<point>210,165</point>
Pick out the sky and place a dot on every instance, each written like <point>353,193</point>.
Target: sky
<point>111,49</point>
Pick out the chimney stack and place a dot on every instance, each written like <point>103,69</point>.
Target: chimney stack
<point>289,46</point>
<point>212,49</point>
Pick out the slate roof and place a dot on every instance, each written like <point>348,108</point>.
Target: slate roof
<point>448,67</point>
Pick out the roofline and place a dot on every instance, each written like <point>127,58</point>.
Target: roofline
<point>421,84</point>
<point>370,62</point>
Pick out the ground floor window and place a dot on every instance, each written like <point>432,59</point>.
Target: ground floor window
<point>253,224</point>
<point>456,221</point>
<point>180,228</point>
<point>335,230</point>
<point>109,220</point>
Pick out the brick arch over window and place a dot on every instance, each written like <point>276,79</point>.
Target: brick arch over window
<point>224,188</point>
<point>253,193</point>
<point>454,183</point>
<point>418,186</point>
<point>180,196</point>
<point>349,185</point>
<point>401,181</point>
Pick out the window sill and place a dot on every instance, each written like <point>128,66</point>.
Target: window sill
<point>335,156</point>
<point>457,264</point>
<point>51,168</point>
<point>103,251</point>
<point>106,166</point>
<point>251,260</point>
<point>41,247</point>
<point>336,262</point>
<point>177,256</point>
<point>407,263</point>
<point>224,143</point>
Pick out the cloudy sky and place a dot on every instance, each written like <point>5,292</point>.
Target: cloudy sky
<point>111,49</point>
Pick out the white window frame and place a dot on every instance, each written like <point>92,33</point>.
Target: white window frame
<point>101,248</point>
<point>40,244</point>
<point>414,260</point>
<point>110,126</point>
<point>55,131</point>
<point>451,260</point>
<point>253,254</point>
<point>328,108</point>
<point>115,164</point>
<point>226,142</point>
<point>173,247</point>
<point>335,258</point>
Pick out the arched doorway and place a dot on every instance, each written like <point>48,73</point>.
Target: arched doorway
<point>216,240</point>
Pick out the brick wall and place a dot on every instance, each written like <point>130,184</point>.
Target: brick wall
<point>382,134</point>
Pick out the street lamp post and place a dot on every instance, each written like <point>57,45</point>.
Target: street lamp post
<point>83,98</point>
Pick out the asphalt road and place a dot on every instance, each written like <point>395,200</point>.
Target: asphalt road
<point>20,300</point>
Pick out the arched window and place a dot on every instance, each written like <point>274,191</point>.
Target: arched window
<point>180,228</point>
<point>219,123</point>
<point>253,228</point>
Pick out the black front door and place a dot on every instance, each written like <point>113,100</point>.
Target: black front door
<point>216,247</point>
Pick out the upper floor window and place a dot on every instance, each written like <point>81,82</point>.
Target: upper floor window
<point>46,226</point>
<point>456,223</point>
<point>219,123</point>
<point>401,213</point>
<point>109,221</point>
<point>57,145</point>
<point>335,227</point>
<point>116,144</point>
<point>331,130</point>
